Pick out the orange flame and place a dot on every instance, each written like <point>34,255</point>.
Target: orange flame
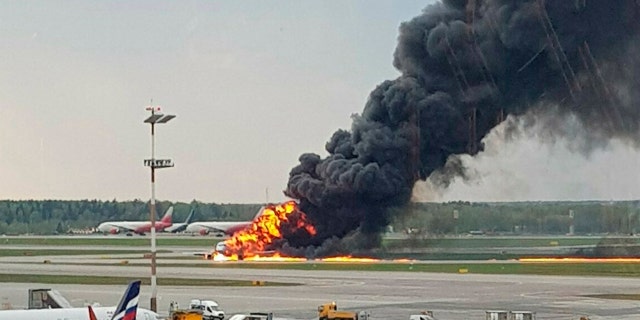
<point>580,260</point>
<point>276,257</point>
<point>260,236</point>
<point>349,259</point>
<point>258,241</point>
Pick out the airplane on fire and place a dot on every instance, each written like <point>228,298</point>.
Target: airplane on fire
<point>139,227</point>
<point>222,227</point>
<point>126,309</point>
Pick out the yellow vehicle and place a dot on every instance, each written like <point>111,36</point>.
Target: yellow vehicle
<point>186,315</point>
<point>329,311</point>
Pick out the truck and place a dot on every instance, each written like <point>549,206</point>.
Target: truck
<point>329,311</point>
<point>209,308</point>
<point>185,315</point>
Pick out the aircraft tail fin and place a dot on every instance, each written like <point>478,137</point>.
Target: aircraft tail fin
<point>260,212</point>
<point>189,217</point>
<point>167,216</point>
<point>92,315</point>
<point>128,305</point>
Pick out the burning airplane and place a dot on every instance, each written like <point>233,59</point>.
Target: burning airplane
<point>466,67</point>
<point>267,231</point>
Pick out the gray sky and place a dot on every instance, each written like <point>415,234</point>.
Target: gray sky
<point>254,85</point>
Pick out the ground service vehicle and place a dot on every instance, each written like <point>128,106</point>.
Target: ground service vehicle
<point>47,299</point>
<point>185,315</point>
<point>329,311</point>
<point>210,309</point>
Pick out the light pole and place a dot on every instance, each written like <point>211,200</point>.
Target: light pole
<point>156,117</point>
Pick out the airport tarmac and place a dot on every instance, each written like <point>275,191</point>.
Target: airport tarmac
<point>385,295</point>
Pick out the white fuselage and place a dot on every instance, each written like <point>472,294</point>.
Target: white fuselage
<point>107,227</point>
<point>216,226</point>
<point>102,313</point>
<point>136,226</point>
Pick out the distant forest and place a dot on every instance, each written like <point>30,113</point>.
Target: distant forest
<point>586,217</point>
<point>420,219</point>
<point>62,216</point>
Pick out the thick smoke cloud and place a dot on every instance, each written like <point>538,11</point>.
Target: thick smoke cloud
<point>464,69</point>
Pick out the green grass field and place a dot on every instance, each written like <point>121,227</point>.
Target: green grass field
<point>66,252</point>
<point>485,242</point>
<point>109,241</point>
<point>64,279</point>
<point>561,269</point>
<point>610,269</point>
<point>472,242</point>
<point>615,296</point>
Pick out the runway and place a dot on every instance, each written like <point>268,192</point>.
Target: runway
<point>386,295</point>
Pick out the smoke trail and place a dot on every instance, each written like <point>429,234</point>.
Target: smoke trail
<point>466,66</point>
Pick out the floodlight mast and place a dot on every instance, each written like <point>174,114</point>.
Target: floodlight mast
<point>156,117</point>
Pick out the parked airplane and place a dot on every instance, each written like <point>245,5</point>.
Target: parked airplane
<point>127,309</point>
<point>139,227</point>
<point>179,227</point>
<point>223,227</point>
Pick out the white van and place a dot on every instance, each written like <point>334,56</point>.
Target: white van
<point>210,309</point>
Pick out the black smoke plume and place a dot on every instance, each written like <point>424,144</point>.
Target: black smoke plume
<point>465,66</point>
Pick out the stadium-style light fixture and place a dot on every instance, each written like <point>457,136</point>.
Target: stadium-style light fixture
<point>153,163</point>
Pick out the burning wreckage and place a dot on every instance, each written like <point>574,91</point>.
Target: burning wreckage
<point>266,238</point>
<point>570,69</point>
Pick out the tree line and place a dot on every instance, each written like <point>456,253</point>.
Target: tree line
<point>424,219</point>
<point>579,217</point>
<point>61,216</point>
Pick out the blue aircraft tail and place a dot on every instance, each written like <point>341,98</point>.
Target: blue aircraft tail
<point>189,217</point>
<point>128,305</point>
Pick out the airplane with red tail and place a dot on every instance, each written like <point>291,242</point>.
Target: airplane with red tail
<point>139,227</point>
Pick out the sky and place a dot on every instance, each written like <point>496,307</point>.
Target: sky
<point>254,84</point>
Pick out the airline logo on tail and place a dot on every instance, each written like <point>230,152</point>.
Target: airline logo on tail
<point>128,305</point>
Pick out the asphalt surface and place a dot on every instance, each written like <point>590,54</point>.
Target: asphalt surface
<point>385,295</point>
